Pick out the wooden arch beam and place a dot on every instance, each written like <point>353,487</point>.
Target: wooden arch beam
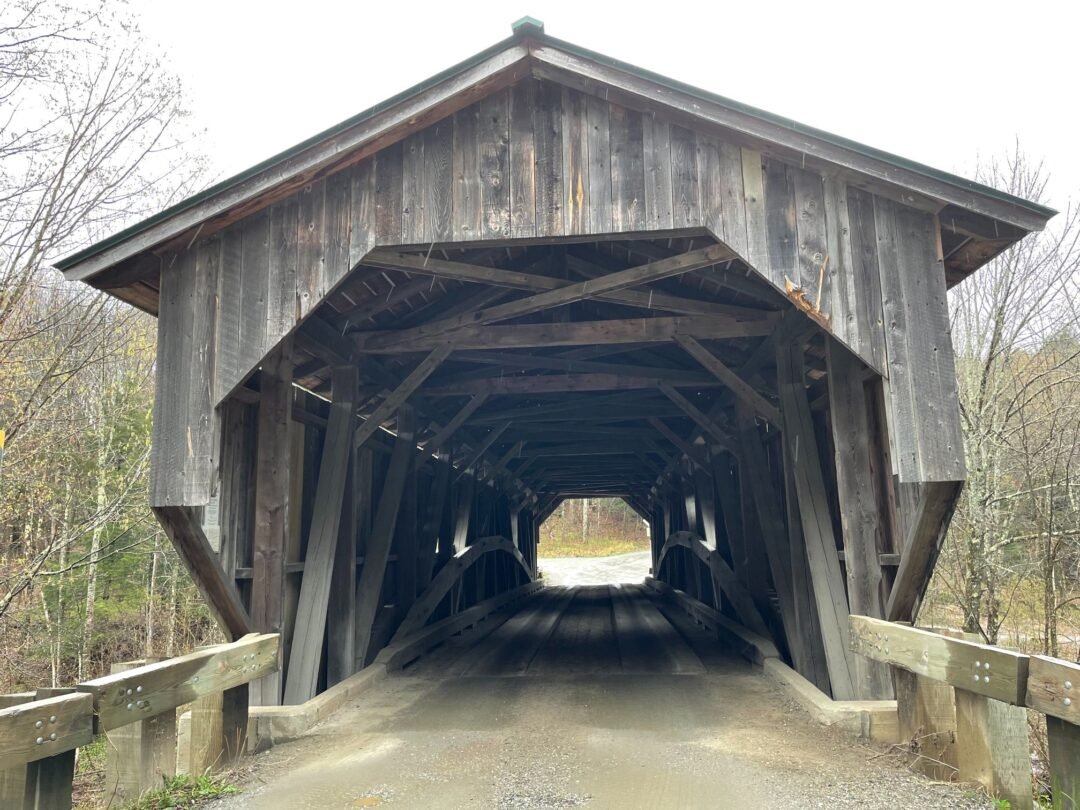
<point>723,578</point>
<point>450,574</point>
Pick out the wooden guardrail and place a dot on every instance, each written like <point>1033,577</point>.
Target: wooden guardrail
<point>971,699</point>
<point>39,734</point>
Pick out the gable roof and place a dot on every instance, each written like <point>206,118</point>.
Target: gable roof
<point>530,51</point>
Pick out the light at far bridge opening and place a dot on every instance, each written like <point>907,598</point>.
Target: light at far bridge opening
<point>594,541</point>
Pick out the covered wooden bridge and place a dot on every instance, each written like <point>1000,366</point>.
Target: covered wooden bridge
<point>385,357</point>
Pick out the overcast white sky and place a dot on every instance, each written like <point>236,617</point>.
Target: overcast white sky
<point>939,82</point>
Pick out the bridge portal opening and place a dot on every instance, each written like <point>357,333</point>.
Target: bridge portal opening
<point>387,357</point>
<point>400,460</point>
<point>594,541</point>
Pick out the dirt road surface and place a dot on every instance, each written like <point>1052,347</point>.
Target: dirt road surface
<point>591,697</point>
<point>622,568</point>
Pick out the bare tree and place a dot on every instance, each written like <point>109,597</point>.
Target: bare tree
<point>1012,368</point>
<point>93,135</point>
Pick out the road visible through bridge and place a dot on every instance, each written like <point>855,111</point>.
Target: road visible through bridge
<point>592,696</point>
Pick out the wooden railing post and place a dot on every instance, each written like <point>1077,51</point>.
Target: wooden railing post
<point>49,780</point>
<point>140,754</point>
<point>218,729</point>
<point>13,780</point>
<point>959,703</point>
<point>1053,688</point>
<point>927,720</point>
<point>1063,740</point>
<point>992,747</point>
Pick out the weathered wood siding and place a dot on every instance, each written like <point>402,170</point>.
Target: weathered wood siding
<point>541,160</point>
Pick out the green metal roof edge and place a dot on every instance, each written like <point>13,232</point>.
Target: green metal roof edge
<point>530,31</point>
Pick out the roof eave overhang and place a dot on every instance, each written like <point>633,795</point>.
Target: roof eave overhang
<point>513,59</point>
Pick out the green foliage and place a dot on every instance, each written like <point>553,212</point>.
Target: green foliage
<point>92,757</point>
<point>185,791</point>
<point>592,527</point>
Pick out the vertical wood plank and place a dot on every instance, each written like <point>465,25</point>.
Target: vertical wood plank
<point>230,296</point>
<point>272,484</point>
<point>388,195</point>
<point>1063,742</point>
<point>780,219</point>
<point>234,723</point>
<point>844,311</point>
<point>757,244</point>
<point>439,172</point>
<point>341,614</point>
<point>201,460</point>
<point>165,366</point>
<point>547,122</point>
<point>406,542</point>
<point>627,169</point>
<point>523,207</point>
<point>685,179</point>
<point>282,310</point>
<point>768,508</point>
<point>363,210</point>
<point>254,290</point>
<point>821,551</point>
<point>599,165</point>
<point>927,719</point>
<point>806,617</point>
<point>311,249</point>
<point>922,379</point>
<point>183,376</point>
<point>712,200</point>
<point>207,738</point>
<point>733,202</point>
<point>377,553</point>
<point>576,199</point>
<point>139,754</point>
<point>813,276</point>
<point>467,198</point>
<point>859,515</point>
<point>865,280</point>
<point>413,190</point>
<point>306,654</point>
<point>338,232</point>
<point>494,135</point>
<point>656,147</point>
<point>433,521</point>
<point>992,747</point>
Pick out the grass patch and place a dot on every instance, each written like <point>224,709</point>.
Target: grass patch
<point>602,546</point>
<point>185,791</point>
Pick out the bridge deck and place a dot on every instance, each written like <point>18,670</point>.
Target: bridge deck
<point>586,696</point>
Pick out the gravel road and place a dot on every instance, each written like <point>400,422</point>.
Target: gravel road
<point>628,568</point>
<point>586,696</point>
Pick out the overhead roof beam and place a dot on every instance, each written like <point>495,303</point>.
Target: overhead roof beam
<point>575,333</point>
<point>567,294</point>
<point>531,282</point>
<point>562,383</point>
<point>734,383</point>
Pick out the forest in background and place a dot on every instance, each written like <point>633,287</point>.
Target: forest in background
<point>592,527</point>
<point>99,136</point>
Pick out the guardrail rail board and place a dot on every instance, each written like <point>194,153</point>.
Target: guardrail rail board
<point>979,668</point>
<point>1053,688</point>
<point>125,697</point>
<point>991,737</point>
<point>44,728</point>
<point>40,731</point>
